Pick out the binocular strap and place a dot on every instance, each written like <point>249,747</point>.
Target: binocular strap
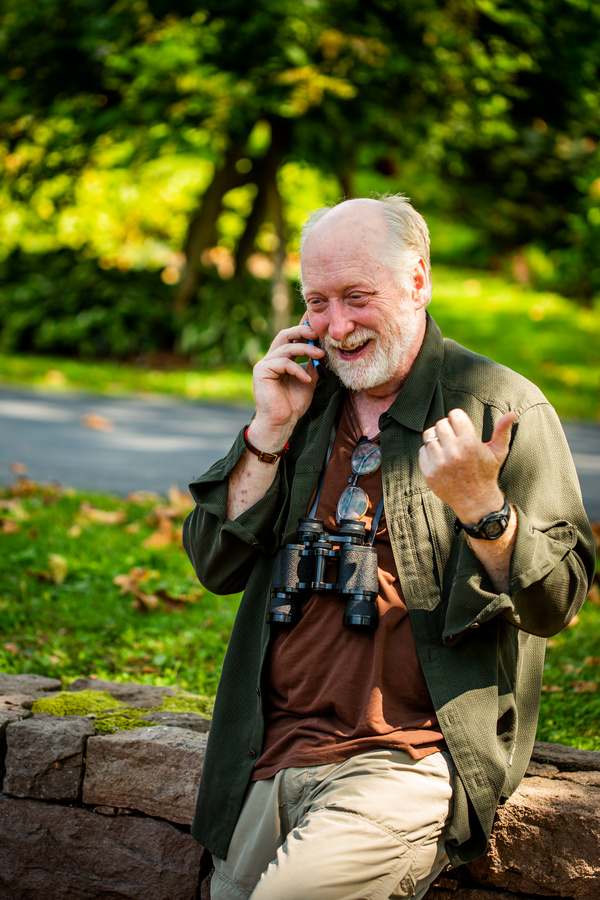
<point>313,510</point>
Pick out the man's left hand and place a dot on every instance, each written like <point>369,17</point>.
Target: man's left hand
<point>461,469</point>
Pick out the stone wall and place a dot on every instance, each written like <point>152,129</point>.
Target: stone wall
<point>86,815</point>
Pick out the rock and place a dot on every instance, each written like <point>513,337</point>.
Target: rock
<point>141,695</point>
<point>546,841</point>
<point>190,721</point>
<point>7,717</point>
<point>591,778</point>
<point>44,756</point>
<point>566,757</point>
<point>543,770</point>
<point>16,701</point>
<point>32,685</point>
<point>473,893</point>
<point>66,853</point>
<point>155,769</point>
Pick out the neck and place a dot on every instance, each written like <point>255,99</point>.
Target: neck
<point>368,410</point>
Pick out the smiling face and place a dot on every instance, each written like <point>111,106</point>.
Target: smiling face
<point>371,327</point>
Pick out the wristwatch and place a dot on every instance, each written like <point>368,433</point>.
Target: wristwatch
<point>490,528</point>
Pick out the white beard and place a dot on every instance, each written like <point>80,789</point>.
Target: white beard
<point>383,359</point>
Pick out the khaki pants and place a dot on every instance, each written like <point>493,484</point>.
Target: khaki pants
<point>369,828</point>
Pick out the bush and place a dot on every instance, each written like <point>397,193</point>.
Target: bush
<point>64,304</point>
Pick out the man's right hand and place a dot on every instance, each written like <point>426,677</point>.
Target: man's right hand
<point>282,388</point>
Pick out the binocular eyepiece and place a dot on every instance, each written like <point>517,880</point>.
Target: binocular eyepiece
<point>300,570</point>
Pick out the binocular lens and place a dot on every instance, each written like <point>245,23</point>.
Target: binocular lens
<point>300,570</point>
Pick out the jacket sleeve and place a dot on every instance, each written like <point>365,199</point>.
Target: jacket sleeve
<point>553,560</point>
<point>223,551</point>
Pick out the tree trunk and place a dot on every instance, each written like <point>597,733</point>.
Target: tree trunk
<point>280,289</point>
<point>202,232</point>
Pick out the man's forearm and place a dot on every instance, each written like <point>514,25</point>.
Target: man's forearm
<point>248,482</point>
<point>495,555</point>
<point>251,478</point>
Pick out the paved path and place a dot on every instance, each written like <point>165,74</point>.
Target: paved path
<point>158,441</point>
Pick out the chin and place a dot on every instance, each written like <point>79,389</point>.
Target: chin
<point>357,377</point>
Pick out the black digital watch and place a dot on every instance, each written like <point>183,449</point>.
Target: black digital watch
<point>490,528</point>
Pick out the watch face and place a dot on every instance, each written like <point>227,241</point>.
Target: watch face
<point>494,529</point>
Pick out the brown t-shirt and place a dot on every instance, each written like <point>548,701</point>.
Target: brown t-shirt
<point>332,691</point>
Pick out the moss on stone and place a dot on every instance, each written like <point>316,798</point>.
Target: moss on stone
<point>112,715</point>
<point>186,702</point>
<point>76,703</point>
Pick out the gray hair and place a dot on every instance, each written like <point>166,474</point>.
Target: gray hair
<point>408,235</point>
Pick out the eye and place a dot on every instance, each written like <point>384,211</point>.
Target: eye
<point>358,297</point>
<point>317,303</point>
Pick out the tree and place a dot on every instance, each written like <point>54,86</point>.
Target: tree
<point>496,99</point>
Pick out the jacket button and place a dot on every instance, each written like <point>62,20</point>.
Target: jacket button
<point>474,625</point>
<point>252,754</point>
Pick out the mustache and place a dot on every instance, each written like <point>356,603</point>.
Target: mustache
<point>352,341</point>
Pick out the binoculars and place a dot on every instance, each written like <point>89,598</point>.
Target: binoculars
<point>300,570</point>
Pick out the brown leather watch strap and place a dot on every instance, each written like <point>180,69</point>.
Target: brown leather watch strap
<point>263,455</point>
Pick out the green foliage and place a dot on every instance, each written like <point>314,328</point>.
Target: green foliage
<point>62,303</point>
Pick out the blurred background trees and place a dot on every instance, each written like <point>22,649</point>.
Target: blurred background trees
<point>159,158</point>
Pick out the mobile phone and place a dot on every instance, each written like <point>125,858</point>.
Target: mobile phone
<point>319,364</point>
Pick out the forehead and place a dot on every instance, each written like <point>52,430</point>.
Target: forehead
<point>346,244</point>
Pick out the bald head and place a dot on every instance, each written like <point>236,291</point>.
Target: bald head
<point>388,225</point>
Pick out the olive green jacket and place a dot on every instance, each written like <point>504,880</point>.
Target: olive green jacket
<point>482,652</point>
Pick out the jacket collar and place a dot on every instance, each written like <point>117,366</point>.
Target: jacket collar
<point>411,406</point>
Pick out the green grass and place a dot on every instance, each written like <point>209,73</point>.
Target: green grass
<point>64,616</point>
<point>232,385</point>
<point>85,624</point>
<point>552,341</point>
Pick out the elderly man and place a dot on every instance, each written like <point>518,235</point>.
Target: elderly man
<point>408,531</point>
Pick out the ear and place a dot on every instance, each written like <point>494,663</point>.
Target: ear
<point>421,285</point>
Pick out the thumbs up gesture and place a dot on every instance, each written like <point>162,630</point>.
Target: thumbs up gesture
<point>461,469</point>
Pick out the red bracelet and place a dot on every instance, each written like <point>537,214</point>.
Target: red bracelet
<point>263,455</point>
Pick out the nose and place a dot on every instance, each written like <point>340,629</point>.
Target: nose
<point>340,322</point>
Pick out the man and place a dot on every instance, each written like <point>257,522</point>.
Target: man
<point>351,762</point>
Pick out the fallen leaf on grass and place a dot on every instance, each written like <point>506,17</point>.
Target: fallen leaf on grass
<point>101,516</point>
<point>574,621</point>
<point>181,500</point>
<point>551,689</point>
<point>592,661</point>
<point>24,487</point>
<point>58,570</point>
<point>584,687</point>
<point>74,531</point>
<point>173,601</point>
<point>15,508</point>
<point>142,498</point>
<point>130,584</point>
<point>164,535</point>
<point>12,648</point>
<point>9,526</point>
<point>59,567</point>
<point>97,423</point>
